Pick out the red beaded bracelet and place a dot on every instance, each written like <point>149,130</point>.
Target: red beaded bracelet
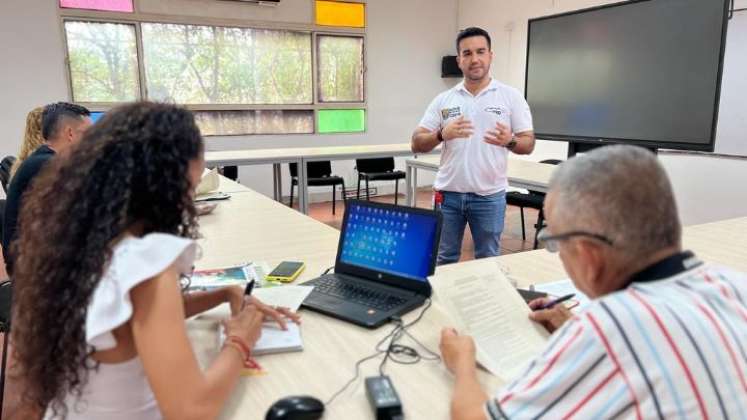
<point>241,343</point>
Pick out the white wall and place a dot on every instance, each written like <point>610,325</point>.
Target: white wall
<point>706,188</point>
<point>405,42</point>
<point>31,71</point>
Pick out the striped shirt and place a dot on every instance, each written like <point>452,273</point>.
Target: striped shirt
<point>669,349</point>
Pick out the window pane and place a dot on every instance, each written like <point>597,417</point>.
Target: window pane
<point>340,69</point>
<point>334,13</point>
<point>103,62</point>
<point>110,5</point>
<point>227,123</point>
<point>342,120</point>
<point>214,65</point>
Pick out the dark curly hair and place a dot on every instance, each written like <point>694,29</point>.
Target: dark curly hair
<point>130,168</point>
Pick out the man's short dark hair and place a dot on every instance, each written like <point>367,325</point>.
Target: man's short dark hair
<point>54,113</point>
<point>470,32</point>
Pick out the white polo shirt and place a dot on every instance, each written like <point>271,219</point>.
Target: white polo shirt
<point>469,164</point>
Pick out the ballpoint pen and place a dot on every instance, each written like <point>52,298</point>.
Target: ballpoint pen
<point>554,302</point>
<point>248,291</point>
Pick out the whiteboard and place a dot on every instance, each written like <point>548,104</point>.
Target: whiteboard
<point>731,129</point>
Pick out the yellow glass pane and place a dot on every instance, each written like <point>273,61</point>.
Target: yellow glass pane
<point>335,13</point>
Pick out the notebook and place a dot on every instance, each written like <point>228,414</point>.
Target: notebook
<point>384,257</point>
<point>274,339</point>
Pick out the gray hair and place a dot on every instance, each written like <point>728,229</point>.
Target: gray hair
<point>621,192</point>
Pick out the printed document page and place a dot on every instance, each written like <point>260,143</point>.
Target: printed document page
<point>486,306</point>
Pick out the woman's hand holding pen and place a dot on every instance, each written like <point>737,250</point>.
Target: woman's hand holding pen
<point>239,300</point>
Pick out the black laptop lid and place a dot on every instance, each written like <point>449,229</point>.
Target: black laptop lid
<point>394,245</point>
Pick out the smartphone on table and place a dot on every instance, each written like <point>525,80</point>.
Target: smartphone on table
<point>286,271</point>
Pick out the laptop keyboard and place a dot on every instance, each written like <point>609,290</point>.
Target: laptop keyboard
<point>356,293</point>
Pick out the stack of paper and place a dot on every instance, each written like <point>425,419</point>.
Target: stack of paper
<point>210,182</point>
<point>562,288</point>
<point>486,306</point>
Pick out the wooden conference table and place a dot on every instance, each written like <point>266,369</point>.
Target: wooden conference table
<point>251,226</point>
<point>301,156</point>
<point>521,174</point>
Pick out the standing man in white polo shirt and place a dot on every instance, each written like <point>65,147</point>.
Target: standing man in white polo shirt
<point>478,121</point>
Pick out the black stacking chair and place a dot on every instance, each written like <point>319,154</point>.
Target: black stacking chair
<point>319,174</point>
<point>378,169</point>
<point>5,166</point>
<point>6,292</point>
<point>532,200</point>
<point>231,172</point>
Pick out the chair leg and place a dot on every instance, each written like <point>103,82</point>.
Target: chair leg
<point>523,230</point>
<point>333,198</point>
<point>6,339</point>
<point>358,196</point>
<point>396,190</point>
<point>291,200</point>
<point>538,226</point>
<point>368,194</point>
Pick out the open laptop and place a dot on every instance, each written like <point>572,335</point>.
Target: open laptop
<point>384,257</point>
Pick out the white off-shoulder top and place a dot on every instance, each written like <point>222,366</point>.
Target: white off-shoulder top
<point>121,391</point>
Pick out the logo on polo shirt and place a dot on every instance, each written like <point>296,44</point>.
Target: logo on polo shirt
<point>494,110</point>
<point>447,113</point>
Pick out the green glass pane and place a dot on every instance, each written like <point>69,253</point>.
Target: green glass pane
<point>342,120</point>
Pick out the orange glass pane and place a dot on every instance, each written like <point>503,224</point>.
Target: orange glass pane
<point>336,13</point>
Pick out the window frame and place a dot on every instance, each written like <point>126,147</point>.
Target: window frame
<point>317,82</point>
<point>137,18</point>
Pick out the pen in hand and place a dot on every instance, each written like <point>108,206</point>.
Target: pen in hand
<point>248,292</point>
<point>554,302</point>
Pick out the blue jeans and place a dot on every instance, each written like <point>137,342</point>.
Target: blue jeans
<point>485,216</point>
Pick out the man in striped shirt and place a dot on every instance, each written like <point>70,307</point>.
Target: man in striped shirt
<point>665,335</point>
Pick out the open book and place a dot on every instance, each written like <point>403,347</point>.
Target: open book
<point>485,305</point>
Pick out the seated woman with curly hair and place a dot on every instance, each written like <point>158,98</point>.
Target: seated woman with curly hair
<point>99,316</point>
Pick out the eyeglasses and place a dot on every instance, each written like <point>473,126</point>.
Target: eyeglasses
<point>552,242</point>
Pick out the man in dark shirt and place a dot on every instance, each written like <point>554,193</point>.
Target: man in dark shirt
<point>63,125</point>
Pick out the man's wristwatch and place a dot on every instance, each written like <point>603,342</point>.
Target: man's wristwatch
<point>511,144</point>
<point>440,135</point>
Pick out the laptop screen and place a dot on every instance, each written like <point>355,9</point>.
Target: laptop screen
<point>392,240</point>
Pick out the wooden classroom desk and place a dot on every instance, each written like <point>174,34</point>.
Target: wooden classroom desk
<point>251,226</point>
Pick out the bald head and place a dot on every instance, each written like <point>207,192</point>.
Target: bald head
<point>621,192</point>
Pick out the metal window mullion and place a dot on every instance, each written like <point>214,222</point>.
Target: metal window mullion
<point>315,74</point>
<point>140,55</point>
<point>69,73</point>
